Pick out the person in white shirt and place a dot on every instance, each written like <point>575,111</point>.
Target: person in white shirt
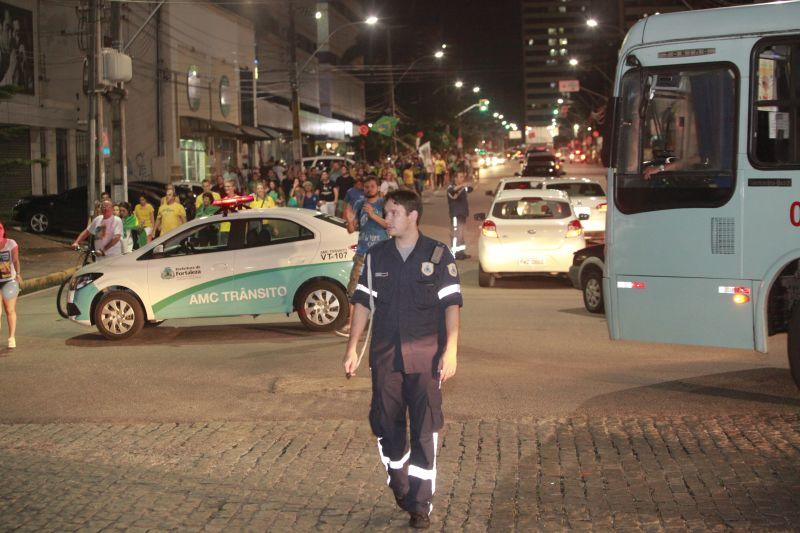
<point>107,231</point>
<point>388,183</point>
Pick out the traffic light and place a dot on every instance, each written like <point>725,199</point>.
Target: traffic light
<point>483,105</point>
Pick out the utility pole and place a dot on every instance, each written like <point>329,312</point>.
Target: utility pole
<point>98,56</point>
<point>91,86</point>
<point>116,30</point>
<point>297,138</point>
<point>391,84</point>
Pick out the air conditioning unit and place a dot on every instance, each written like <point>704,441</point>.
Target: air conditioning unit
<point>117,67</point>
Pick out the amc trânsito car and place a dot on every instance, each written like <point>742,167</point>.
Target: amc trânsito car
<point>249,262</point>
<point>527,232</point>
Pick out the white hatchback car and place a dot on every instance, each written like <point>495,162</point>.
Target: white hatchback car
<point>527,232</point>
<point>251,262</point>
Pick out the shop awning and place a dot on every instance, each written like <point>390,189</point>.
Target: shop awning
<point>275,134</point>
<point>254,133</point>
<point>225,129</point>
<point>193,127</point>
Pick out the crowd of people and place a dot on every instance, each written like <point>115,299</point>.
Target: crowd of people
<point>122,227</point>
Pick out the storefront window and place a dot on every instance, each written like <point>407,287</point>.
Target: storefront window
<point>225,96</point>
<point>193,88</point>
<point>193,159</point>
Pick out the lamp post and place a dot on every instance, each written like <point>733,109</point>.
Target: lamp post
<point>294,72</point>
<point>439,54</point>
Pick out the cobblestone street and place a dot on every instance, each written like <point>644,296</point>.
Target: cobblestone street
<point>629,474</point>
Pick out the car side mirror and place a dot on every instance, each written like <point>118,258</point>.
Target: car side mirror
<point>583,216</point>
<point>158,250</point>
<point>480,217</point>
<point>517,174</point>
<point>489,193</point>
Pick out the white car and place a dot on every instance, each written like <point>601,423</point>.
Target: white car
<point>527,232</point>
<point>587,197</point>
<point>249,262</point>
<point>588,200</point>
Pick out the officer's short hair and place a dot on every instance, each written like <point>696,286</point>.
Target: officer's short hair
<point>410,200</point>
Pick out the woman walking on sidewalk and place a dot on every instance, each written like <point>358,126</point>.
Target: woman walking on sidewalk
<point>10,280</point>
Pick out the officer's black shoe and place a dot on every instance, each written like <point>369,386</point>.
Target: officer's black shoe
<point>419,521</point>
<point>401,502</point>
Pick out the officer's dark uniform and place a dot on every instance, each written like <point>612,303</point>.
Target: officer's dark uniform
<point>408,338</point>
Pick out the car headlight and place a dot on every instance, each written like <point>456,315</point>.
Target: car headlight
<point>79,282</point>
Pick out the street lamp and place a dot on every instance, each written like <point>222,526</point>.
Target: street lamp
<point>495,114</point>
<point>592,22</point>
<point>318,15</point>
<point>476,89</point>
<point>573,62</point>
<point>438,54</point>
<point>560,100</point>
<point>444,46</point>
<point>501,117</point>
<point>371,20</point>
<point>459,84</point>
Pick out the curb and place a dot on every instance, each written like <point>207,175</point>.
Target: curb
<point>44,282</point>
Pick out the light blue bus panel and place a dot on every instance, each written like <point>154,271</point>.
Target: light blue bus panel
<point>686,310</point>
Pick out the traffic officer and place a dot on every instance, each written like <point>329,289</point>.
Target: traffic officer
<point>412,283</point>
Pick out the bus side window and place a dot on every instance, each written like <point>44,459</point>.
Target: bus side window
<point>775,135</point>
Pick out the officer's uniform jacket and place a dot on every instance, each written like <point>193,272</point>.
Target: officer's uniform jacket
<point>410,298</point>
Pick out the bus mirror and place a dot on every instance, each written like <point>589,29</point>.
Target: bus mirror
<point>632,61</point>
<point>158,250</point>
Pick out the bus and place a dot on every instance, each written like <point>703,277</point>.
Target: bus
<point>703,229</point>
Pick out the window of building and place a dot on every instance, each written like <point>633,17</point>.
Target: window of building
<point>193,159</point>
<point>562,9</point>
<point>551,31</point>
<point>193,88</point>
<point>563,41</point>
<point>553,52</point>
<point>563,51</point>
<point>775,110</point>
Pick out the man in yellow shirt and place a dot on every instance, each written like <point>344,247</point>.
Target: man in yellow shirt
<point>144,213</point>
<point>198,203</point>
<point>171,214</point>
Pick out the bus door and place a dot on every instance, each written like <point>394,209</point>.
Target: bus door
<point>674,255</point>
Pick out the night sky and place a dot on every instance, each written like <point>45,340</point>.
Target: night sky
<point>484,49</point>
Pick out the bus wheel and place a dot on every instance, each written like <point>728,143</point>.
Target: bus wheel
<point>119,315</point>
<point>793,344</point>
<point>323,306</point>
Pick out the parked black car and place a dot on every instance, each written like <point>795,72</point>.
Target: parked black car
<point>586,274</point>
<point>68,211</point>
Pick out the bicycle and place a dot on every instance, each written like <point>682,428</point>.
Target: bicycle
<point>87,255</point>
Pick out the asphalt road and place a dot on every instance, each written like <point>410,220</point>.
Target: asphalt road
<point>528,349</point>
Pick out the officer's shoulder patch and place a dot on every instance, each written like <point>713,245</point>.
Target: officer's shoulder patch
<point>427,268</point>
<point>438,252</point>
<point>452,269</point>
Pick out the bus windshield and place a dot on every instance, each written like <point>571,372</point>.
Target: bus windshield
<point>676,137</point>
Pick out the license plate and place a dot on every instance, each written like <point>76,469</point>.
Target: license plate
<point>531,260</point>
<point>583,211</point>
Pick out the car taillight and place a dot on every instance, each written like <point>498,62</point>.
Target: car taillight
<point>602,207</point>
<point>583,157</point>
<point>353,247</point>
<point>574,229</point>
<point>489,229</point>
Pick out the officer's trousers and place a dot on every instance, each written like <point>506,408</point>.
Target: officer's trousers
<point>411,472</point>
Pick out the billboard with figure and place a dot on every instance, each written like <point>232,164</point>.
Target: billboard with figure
<point>16,48</point>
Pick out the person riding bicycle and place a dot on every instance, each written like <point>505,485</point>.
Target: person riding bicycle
<point>107,231</point>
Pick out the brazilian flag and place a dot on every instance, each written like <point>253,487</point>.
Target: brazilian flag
<point>385,125</point>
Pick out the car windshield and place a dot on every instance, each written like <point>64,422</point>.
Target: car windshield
<point>530,208</point>
<point>579,189</point>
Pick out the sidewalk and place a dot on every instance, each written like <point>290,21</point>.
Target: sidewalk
<point>631,474</point>
<point>45,260</point>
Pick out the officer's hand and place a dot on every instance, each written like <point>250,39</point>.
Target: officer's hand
<point>448,366</point>
<point>350,362</point>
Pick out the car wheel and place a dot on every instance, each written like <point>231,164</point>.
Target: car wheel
<point>592,283</point>
<point>119,315</point>
<point>323,306</point>
<point>485,279</point>
<point>39,222</point>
